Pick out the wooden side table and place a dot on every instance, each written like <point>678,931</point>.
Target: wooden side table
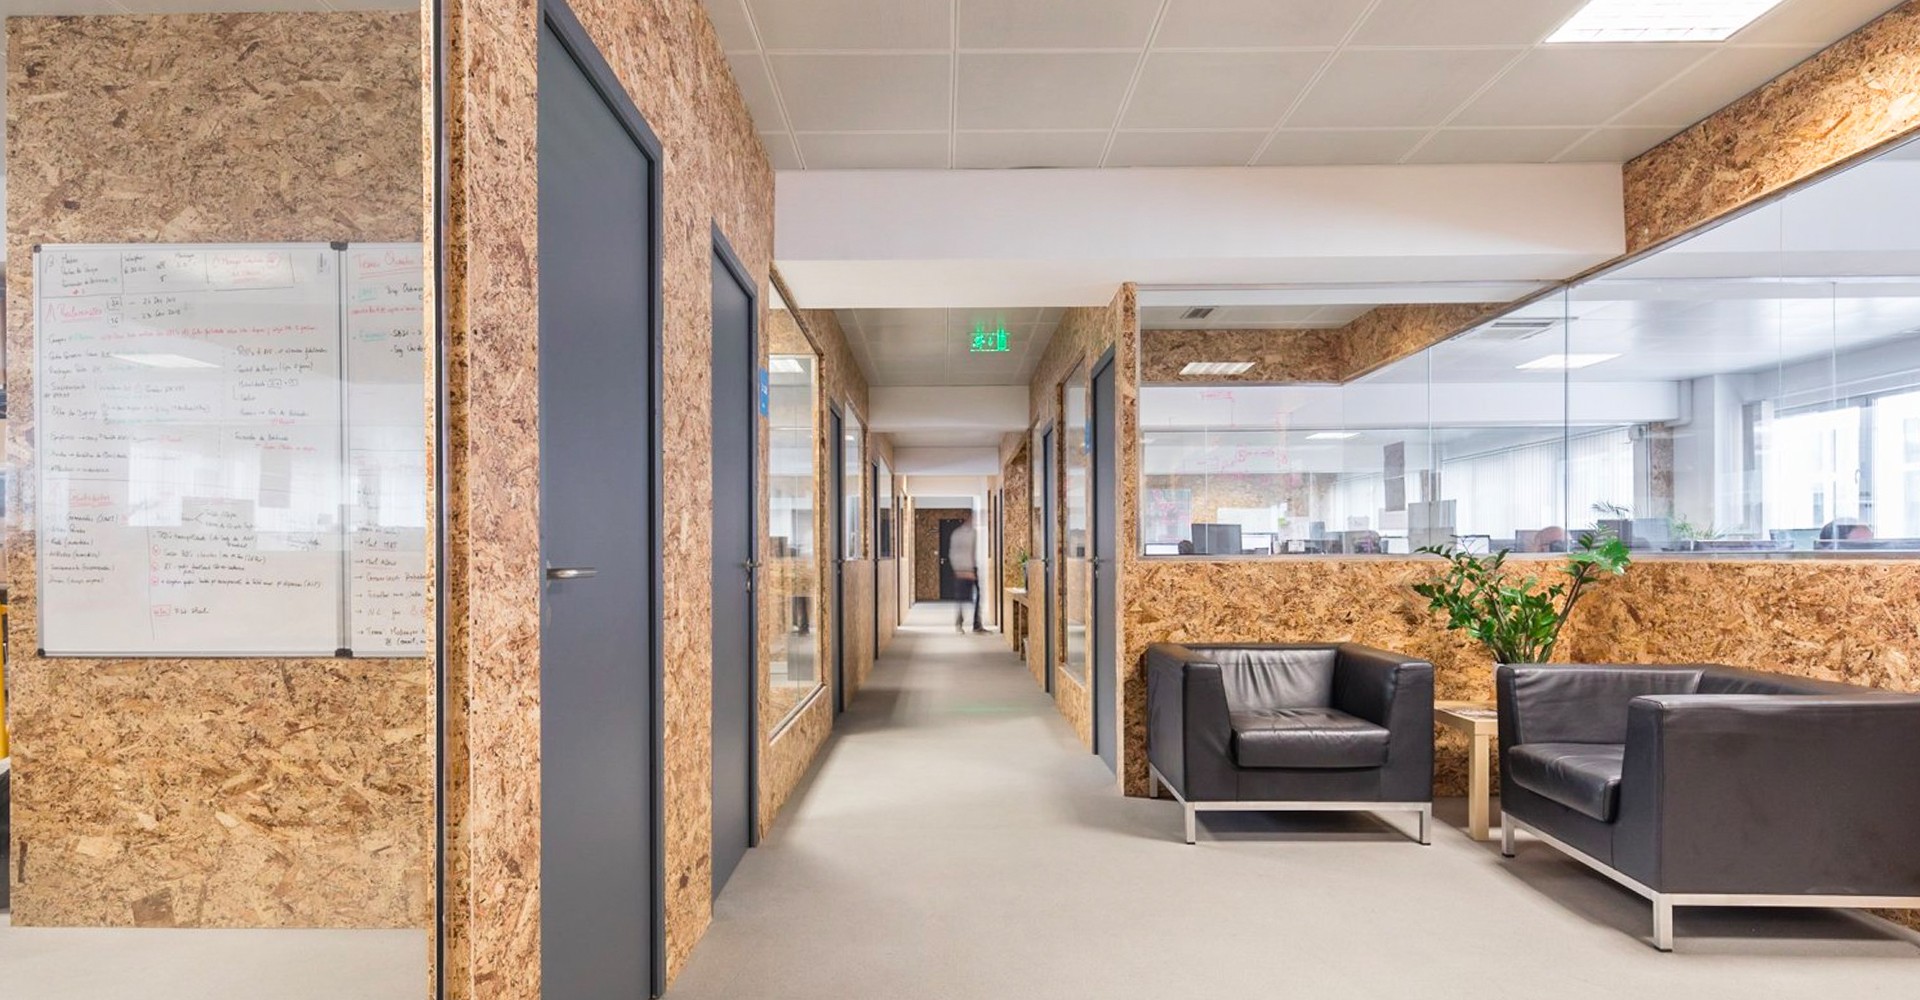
<point>1481,723</point>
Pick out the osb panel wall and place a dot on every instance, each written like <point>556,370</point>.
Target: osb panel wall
<point>1386,334</point>
<point>195,792</point>
<point>1016,506</point>
<point>926,549</point>
<point>1083,337</point>
<point>714,173</point>
<point>1277,355</point>
<point>1851,99</point>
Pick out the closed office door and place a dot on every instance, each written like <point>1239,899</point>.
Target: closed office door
<point>1106,454</point>
<point>1049,544</point>
<point>598,354</point>
<point>735,410</point>
<point>949,584</point>
<point>837,493</point>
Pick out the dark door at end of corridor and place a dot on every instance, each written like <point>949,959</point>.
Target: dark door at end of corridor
<point>735,418</point>
<point>949,584</point>
<point>598,354</point>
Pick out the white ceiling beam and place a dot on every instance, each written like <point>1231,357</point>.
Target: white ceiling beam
<point>954,239</point>
<point>946,461</point>
<point>907,409</point>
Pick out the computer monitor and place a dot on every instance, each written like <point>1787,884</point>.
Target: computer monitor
<point>1216,539</point>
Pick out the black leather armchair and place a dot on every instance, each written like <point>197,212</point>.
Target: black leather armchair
<point>1706,785</point>
<point>1290,727</point>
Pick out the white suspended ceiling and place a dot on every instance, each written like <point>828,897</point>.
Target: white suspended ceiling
<point>918,84</point>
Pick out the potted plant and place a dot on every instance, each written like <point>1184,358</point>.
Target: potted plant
<point>1517,619</point>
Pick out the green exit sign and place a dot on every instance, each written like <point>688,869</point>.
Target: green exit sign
<point>987,341</point>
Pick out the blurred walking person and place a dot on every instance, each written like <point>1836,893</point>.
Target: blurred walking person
<point>962,556</point>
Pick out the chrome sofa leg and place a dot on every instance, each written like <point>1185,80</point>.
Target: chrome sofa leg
<point>1426,823</point>
<point>1506,835</point>
<point>1190,822</point>
<point>1662,923</point>
<point>1153,783</point>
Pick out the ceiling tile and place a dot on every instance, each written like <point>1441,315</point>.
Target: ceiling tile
<point>1616,145</point>
<point>729,19</point>
<point>1008,150</point>
<point>1183,149</point>
<point>1310,148</point>
<point>1481,145</point>
<point>1397,87</point>
<point>750,74</point>
<point>1219,89</point>
<point>864,92</point>
<point>1578,84</point>
<point>1813,22</point>
<point>1055,24</point>
<point>1228,24</point>
<point>1464,22</point>
<point>1021,91</point>
<point>853,24</point>
<point>780,150</point>
<point>1725,76</point>
<point>874,150</point>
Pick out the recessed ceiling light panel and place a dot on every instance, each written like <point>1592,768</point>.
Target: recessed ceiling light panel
<point>1661,20</point>
<point>1564,362</point>
<point>1333,436</point>
<point>1217,368</point>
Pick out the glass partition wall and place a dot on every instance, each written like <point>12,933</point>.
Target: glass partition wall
<point>1753,389</point>
<point>1076,543</point>
<point>791,633</point>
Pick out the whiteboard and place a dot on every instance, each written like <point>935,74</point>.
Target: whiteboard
<point>386,450</point>
<point>194,453</point>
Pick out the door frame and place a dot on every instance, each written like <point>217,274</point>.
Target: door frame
<point>1101,635</point>
<point>723,251</point>
<point>873,465</point>
<point>837,538</point>
<point>1050,542</point>
<point>572,35</point>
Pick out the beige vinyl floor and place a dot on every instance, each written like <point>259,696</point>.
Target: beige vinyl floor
<point>38,963</point>
<point>957,843</point>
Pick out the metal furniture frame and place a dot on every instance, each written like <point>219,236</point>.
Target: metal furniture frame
<point>1155,782</point>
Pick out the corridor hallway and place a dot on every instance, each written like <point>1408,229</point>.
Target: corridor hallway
<point>957,843</point>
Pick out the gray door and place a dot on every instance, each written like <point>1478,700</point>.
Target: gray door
<point>597,356</point>
<point>1049,544</point>
<point>837,502</point>
<point>734,418</point>
<point>1105,565</point>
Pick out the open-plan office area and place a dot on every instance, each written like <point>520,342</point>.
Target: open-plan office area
<point>961,498</point>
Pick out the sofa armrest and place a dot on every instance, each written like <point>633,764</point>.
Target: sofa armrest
<point>1189,738</point>
<point>1376,685</point>
<point>1775,794</point>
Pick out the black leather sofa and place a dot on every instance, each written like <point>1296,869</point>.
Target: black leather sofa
<point>1290,727</point>
<point>1707,785</point>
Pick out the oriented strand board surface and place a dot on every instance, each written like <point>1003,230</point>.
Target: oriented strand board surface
<point>1386,334</point>
<point>1082,339</point>
<point>715,173</point>
<point>194,792</point>
<point>1852,98</point>
<point>1277,355</point>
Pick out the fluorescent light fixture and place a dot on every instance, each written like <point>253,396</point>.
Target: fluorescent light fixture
<point>1565,362</point>
<point>165,361</point>
<point>1333,436</point>
<point>786,366</point>
<point>1661,20</point>
<point>1217,368</point>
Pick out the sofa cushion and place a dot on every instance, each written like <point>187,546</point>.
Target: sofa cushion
<point>1263,677</point>
<point>1584,777</point>
<point>1306,738</point>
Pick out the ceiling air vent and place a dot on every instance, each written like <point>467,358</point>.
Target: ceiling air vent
<point>1515,329</point>
<point>1198,312</point>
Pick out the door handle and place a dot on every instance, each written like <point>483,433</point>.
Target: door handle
<point>571,572</point>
